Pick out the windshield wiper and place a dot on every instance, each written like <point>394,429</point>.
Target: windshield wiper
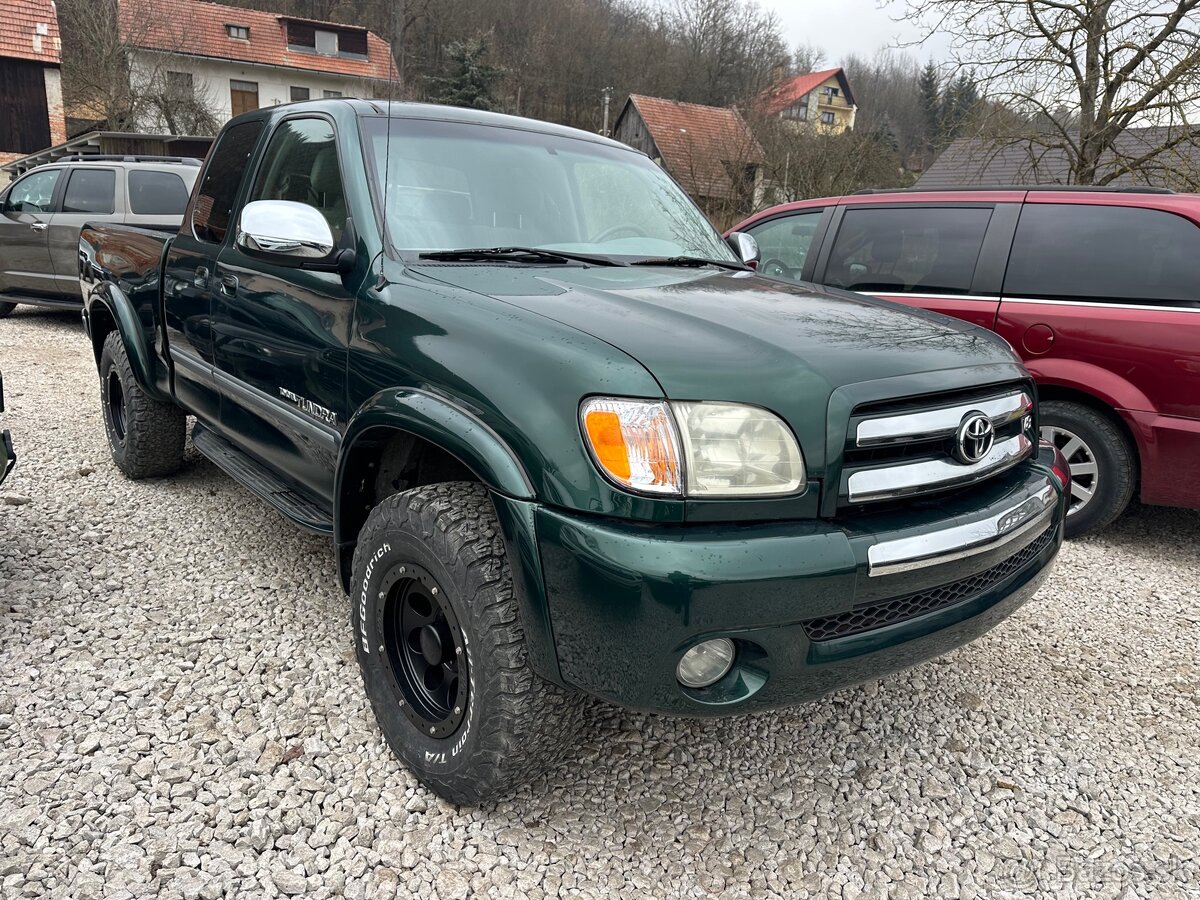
<point>516,254</point>
<point>694,262</point>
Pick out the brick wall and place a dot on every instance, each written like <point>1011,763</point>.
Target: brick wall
<point>54,106</point>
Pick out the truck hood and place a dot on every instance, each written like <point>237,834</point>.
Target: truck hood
<point>729,335</point>
<point>735,336</point>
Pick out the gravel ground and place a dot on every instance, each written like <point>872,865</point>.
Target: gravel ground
<point>181,715</point>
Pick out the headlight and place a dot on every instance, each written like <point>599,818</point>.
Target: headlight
<point>731,450</point>
<point>701,449</point>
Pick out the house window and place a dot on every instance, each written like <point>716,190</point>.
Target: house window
<point>238,32</point>
<point>333,94</point>
<point>180,84</point>
<point>327,43</point>
<point>830,92</point>
<point>243,96</point>
<point>299,93</point>
<point>828,118</point>
<point>797,110</point>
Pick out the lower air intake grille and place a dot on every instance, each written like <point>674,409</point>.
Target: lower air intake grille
<point>900,609</point>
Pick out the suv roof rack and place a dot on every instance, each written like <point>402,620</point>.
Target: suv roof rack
<point>118,157</point>
<point>1082,188</point>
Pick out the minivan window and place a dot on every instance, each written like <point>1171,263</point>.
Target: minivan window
<point>156,193</point>
<point>783,243</point>
<point>91,191</point>
<point>928,250</point>
<point>1115,253</point>
<point>222,178</point>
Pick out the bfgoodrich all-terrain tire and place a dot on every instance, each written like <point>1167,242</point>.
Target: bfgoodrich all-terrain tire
<point>442,649</point>
<point>146,436</point>
<point>6,308</point>
<point>1103,464</point>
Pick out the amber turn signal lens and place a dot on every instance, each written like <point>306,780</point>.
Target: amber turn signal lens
<point>634,443</point>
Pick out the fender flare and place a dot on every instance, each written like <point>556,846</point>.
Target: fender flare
<point>107,301</point>
<point>440,421</point>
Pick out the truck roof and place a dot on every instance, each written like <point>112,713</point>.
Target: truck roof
<point>408,109</point>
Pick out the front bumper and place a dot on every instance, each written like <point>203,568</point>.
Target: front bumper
<point>809,604</point>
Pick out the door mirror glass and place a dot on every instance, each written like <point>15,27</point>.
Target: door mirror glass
<point>745,246</point>
<point>285,231</point>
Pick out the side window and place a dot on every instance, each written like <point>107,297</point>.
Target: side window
<point>91,191</point>
<point>301,165</point>
<point>784,243</point>
<point>222,177</point>
<point>901,249</point>
<point>156,193</point>
<point>1113,253</point>
<point>34,193</point>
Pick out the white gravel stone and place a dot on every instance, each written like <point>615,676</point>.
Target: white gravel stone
<point>181,716</point>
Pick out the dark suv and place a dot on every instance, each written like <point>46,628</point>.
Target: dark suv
<point>1097,290</point>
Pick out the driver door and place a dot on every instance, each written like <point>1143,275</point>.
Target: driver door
<point>25,267</point>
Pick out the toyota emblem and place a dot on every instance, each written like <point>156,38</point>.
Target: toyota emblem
<point>975,438</point>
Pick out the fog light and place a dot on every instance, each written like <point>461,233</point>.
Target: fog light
<point>706,663</point>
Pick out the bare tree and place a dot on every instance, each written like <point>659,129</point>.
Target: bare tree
<point>1085,74</point>
<point>109,78</point>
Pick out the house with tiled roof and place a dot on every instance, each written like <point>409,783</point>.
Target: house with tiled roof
<point>820,99</point>
<point>232,60</point>
<point>31,104</point>
<point>709,150</point>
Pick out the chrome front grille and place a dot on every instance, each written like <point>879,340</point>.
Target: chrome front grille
<point>937,443</point>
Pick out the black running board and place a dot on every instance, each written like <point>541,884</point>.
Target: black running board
<point>43,302</point>
<point>256,477</point>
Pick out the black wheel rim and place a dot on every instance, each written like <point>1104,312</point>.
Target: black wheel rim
<point>424,650</point>
<point>116,406</point>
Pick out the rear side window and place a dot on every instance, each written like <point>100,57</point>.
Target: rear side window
<point>90,191</point>
<point>222,178</point>
<point>156,193</point>
<point>908,249</point>
<point>1115,253</point>
<point>784,243</point>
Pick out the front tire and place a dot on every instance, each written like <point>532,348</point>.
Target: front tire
<point>6,308</point>
<point>1103,464</point>
<point>146,436</point>
<point>442,649</point>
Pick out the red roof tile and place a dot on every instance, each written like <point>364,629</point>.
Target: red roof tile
<point>29,30</point>
<point>195,28</point>
<point>778,98</point>
<point>696,143</point>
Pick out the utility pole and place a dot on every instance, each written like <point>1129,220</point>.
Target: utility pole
<point>606,96</point>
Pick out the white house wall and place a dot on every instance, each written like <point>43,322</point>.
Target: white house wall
<point>211,80</point>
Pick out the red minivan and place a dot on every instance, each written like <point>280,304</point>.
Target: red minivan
<point>1098,290</point>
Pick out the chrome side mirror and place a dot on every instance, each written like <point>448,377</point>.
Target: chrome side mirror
<point>745,246</point>
<point>285,231</point>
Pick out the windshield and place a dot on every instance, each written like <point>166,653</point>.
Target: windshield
<point>452,186</point>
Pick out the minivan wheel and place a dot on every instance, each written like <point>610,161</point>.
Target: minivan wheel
<point>146,436</point>
<point>442,650</point>
<point>1103,467</point>
<point>6,308</point>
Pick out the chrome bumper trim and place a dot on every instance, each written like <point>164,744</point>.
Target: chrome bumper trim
<point>942,422</point>
<point>1029,517</point>
<point>935,474</point>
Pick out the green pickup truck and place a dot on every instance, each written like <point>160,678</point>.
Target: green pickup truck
<point>565,440</point>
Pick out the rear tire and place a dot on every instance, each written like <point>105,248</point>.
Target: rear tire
<point>146,436</point>
<point>442,649</point>
<point>1103,463</point>
<point>6,308</point>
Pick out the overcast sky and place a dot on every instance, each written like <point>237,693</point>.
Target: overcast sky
<point>840,27</point>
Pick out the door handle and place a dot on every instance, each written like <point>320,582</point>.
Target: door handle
<point>229,285</point>
<point>39,226</point>
<point>200,279</point>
